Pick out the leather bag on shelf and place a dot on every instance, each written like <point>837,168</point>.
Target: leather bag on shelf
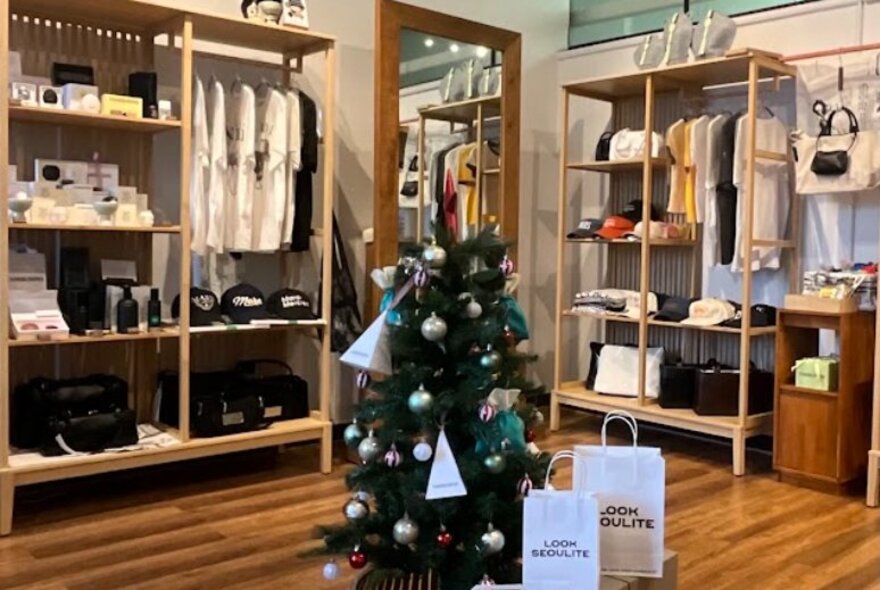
<point>603,147</point>
<point>717,392</point>
<point>90,434</point>
<point>678,384</point>
<point>283,397</point>
<point>40,403</point>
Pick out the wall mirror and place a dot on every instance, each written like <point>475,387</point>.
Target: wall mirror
<point>447,133</point>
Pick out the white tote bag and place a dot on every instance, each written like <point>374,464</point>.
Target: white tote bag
<point>560,538</point>
<point>630,484</point>
<point>861,147</point>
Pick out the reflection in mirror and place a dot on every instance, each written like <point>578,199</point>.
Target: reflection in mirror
<point>450,136</point>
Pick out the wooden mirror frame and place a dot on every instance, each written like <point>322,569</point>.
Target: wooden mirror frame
<point>391,18</point>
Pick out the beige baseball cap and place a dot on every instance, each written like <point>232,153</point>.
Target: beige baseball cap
<point>709,312</point>
<point>660,230</point>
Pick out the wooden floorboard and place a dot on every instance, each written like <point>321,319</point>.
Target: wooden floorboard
<point>241,522</point>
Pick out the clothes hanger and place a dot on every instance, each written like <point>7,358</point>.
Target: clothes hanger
<point>237,84</point>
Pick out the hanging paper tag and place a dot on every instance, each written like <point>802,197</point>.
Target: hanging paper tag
<point>372,351</point>
<point>445,480</point>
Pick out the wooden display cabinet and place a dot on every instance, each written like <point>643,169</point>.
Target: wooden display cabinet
<point>822,438</point>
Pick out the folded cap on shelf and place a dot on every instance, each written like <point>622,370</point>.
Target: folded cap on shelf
<point>633,211</point>
<point>244,303</point>
<point>290,304</point>
<point>763,315</point>
<point>660,230</point>
<point>615,227</point>
<point>674,309</point>
<point>586,229</point>
<point>204,309</point>
<point>634,308</point>
<point>709,312</point>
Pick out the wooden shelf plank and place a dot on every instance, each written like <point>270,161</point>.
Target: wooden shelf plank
<point>108,338</point>
<point>576,395</point>
<point>625,242</point>
<point>156,229</point>
<point>617,165</point>
<point>56,468</point>
<point>790,388</point>
<point>757,331</point>
<point>95,121</point>
<point>701,74</point>
<point>463,112</point>
<point>255,328</point>
<point>157,15</point>
<point>492,171</point>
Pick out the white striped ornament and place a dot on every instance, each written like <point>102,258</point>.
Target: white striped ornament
<point>506,266</point>
<point>487,412</point>
<point>524,486</point>
<point>422,279</point>
<point>363,380</point>
<point>393,458</point>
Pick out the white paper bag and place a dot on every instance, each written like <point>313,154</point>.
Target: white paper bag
<point>630,485</point>
<point>560,538</point>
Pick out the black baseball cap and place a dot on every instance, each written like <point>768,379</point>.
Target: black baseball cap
<point>586,229</point>
<point>674,309</point>
<point>244,303</point>
<point>763,316</point>
<point>204,309</point>
<point>633,211</point>
<point>290,304</point>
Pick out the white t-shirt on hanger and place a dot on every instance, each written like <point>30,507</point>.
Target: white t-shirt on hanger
<point>217,172</point>
<point>294,162</point>
<point>772,198</point>
<point>699,157</point>
<point>199,172</point>
<point>242,136</point>
<point>270,189</point>
<point>711,248</point>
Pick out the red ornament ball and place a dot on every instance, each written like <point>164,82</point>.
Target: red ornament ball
<point>445,540</point>
<point>531,436</point>
<point>357,560</point>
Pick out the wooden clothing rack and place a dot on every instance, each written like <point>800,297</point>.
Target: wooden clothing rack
<point>640,92</point>
<point>117,37</point>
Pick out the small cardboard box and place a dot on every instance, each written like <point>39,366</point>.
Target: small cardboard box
<point>34,315</point>
<point>821,304</point>
<point>819,373</point>
<point>122,106</point>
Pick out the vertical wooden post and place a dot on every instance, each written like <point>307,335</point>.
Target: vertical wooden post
<point>7,501</point>
<point>5,377</point>
<point>645,267</point>
<point>478,178</point>
<point>327,269</point>
<point>186,81</point>
<point>562,204</point>
<point>420,206</point>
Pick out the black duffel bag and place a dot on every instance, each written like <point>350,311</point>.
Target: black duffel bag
<point>284,397</point>
<point>91,434</point>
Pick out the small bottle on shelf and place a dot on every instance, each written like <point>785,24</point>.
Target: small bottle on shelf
<point>127,313</point>
<point>154,310</point>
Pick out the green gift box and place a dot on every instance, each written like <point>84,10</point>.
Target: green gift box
<point>818,373</point>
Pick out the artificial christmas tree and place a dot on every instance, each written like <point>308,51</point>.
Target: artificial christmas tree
<point>442,439</point>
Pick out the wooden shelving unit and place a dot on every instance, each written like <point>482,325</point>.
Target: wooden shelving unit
<point>116,37</point>
<point>624,93</point>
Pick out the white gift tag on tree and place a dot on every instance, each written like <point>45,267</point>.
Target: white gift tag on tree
<point>372,351</point>
<point>445,480</point>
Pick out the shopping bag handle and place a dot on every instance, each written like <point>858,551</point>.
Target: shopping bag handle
<point>624,417</point>
<point>557,457</point>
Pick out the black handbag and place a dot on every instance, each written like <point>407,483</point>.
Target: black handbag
<point>221,415</point>
<point>678,383</point>
<point>90,434</point>
<point>717,392</point>
<point>283,397</point>
<point>41,402</point>
<point>200,384</point>
<point>836,162</point>
<point>346,324</point>
<point>603,147</point>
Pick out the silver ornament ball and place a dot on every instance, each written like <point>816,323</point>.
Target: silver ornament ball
<point>495,463</point>
<point>493,541</point>
<point>423,452</point>
<point>434,329</point>
<point>491,360</point>
<point>406,531</point>
<point>355,510</point>
<point>369,448</point>
<point>353,434</point>
<point>474,309</point>
<point>539,417</point>
<point>331,571</point>
<point>435,256</point>
<point>420,401</point>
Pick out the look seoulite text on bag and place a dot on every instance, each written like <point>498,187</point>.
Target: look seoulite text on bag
<point>629,483</point>
<point>560,538</point>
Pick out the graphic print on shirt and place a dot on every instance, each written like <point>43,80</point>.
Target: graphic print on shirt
<point>241,138</point>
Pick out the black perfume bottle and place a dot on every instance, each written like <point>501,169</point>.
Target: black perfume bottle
<point>154,310</point>
<point>127,313</point>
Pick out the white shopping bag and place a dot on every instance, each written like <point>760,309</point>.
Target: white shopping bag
<point>630,484</point>
<point>560,538</point>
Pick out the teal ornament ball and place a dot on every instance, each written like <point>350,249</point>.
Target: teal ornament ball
<point>420,402</point>
<point>495,463</point>
<point>353,434</point>
<point>369,448</point>
<point>491,360</point>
